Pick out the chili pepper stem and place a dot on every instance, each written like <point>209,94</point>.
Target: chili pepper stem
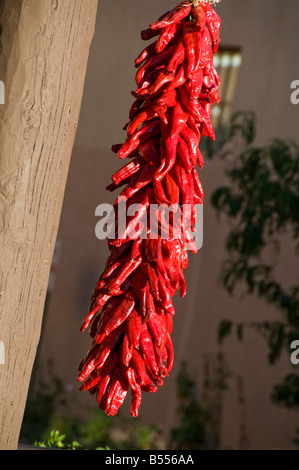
<point>195,3</point>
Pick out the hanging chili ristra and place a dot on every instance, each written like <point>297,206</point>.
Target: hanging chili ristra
<point>131,310</point>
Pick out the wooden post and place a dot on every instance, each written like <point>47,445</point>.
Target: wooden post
<point>44,48</point>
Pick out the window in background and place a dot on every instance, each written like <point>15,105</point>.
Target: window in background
<point>227,62</point>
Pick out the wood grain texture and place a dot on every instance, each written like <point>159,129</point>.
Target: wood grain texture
<point>44,48</point>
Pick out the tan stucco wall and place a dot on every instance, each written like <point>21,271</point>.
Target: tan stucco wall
<point>266,31</point>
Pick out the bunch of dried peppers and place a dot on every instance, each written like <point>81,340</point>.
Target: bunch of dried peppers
<point>130,318</point>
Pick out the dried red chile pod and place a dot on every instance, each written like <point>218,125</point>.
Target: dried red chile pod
<point>131,311</point>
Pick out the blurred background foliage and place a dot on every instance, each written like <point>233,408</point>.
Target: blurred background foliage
<point>261,204</point>
<point>50,420</point>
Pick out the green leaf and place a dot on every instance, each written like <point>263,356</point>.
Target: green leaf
<point>242,123</point>
<point>276,340</point>
<point>287,392</point>
<point>239,331</point>
<point>224,330</point>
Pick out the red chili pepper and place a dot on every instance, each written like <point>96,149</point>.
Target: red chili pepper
<point>184,258</point>
<point>161,111</point>
<point>175,16</point>
<point>196,85</point>
<point>168,323</point>
<point>149,151</point>
<point>147,80</point>
<point>143,116</point>
<point>192,35</point>
<point>154,253</point>
<point>170,150</point>
<point>206,54</point>
<point>183,153</point>
<point>150,33</point>
<point>156,379</point>
<point>133,328</point>
<point>147,131</point>
<point>96,304</point>
<point>88,365</point>
<point>102,391</point>
<point>179,120</point>
<point>150,304</point>
<point>160,194</point>
<point>163,78</point>
<point>172,188</point>
<point>120,314</point>
<point>211,79</point>
<point>126,350</point>
<point>169,348</point>
<point>139,181</point>
<point>107,346</point>
<point>147,349</point>
<point>197,112</point>
<point>190,138</point>
<point>153,282</point>
<point>138,365</point>
<point>213,23</point>
<point>135,403</point>
<point>177,58</point>
<point>95,324</point>
<point>154,62</point>
<point>157,329</point>
<point>146,53</point>
<point>134,110</point>
<point>188,201</point>
<point>190,107</point>
<point>99,374</point>
<point>183,287</point>
<point>117,392</point>
<point>145,199</point>
<point>199,15</point>
<point>116,255</point>
<point>165,98</point>
<point>172,272</point>
<point>160,362</point>
<point>106,314</point>
<point>166,36</point>
<point>197,186</point>
<point>166,300</point>
<point>137,248</point>
<point>132,379</point>
<point>178,80</point>
<point>94,379</point>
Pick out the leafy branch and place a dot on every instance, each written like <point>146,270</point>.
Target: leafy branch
<point>261,203</point>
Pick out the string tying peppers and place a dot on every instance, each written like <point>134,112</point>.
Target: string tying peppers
<point>130,318</point>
